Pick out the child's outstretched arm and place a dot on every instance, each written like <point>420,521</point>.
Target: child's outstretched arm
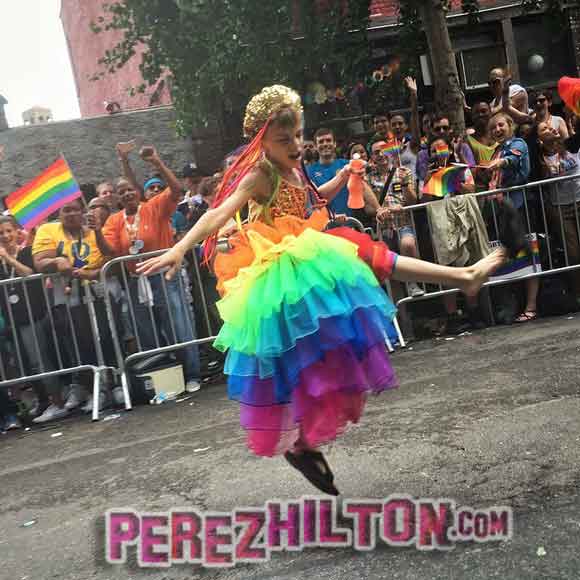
<point>255,184</point>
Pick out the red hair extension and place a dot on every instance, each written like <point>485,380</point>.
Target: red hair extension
<point>231,180</point>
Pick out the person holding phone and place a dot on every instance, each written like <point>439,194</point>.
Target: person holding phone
<point>508,97</point>
<point>145,226</point>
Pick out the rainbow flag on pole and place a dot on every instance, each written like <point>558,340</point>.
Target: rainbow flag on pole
<point>391,147</point>
<point>44,195</point>
<point>444,181</point>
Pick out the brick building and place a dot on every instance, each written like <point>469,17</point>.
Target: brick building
<point>504,36</point>
<point>86,48</point>
<point>536,52</point>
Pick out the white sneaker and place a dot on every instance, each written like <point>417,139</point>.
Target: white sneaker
<point>192,386</point>
<point>12,422</point>
<point>118,396</point>
<point>88,407</point>
<point>415,290</point>
<point>51,414</point>
<point>75,398</point>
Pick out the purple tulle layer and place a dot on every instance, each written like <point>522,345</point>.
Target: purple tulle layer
<point>330,394</point>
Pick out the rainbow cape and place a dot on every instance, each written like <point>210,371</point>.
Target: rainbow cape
<point>44,195</point>
<point>444,181</point>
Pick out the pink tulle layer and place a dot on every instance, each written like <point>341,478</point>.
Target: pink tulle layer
<point>330,395</point>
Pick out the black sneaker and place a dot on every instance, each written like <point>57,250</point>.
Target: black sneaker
<point>475,319</point>
<point>456,325</point>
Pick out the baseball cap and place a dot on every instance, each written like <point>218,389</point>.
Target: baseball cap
<point>191,170</point>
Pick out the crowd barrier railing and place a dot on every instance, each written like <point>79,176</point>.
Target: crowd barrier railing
<point>159,312</point>
<point>548,223</point>
<point>51,328</point>
<point>55,326</point>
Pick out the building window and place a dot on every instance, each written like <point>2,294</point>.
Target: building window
<point>544,53</point>
<point>474,65</point>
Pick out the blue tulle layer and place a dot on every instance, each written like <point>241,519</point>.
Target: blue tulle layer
<point>356,332</point>
<point>279,332</point>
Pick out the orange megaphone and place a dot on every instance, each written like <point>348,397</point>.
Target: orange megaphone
<point>356,185</point>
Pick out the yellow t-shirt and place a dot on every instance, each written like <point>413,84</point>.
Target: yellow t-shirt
<point>482,153</point>
<point>83,253</point>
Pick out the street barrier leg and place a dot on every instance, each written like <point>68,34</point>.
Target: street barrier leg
<point>96,392</point>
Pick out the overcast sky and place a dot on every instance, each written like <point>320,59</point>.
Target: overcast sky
<point>34,63</point>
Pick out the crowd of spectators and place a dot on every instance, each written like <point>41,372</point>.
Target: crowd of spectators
<point>512,139</point>
<point>47,324</point>
<point>60,321</point>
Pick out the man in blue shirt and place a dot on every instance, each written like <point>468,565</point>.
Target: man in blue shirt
<point>328,167</point>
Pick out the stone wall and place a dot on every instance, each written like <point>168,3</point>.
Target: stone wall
<point>89,146</point>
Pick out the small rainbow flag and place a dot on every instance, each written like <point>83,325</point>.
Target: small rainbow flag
<point>44,195</point>
<point>444,181</point>
<point>526,262</point>
<point>441,150</point>
<point>391,147</point>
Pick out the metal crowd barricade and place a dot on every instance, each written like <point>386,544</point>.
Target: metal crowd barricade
<point>358,225</point>
<point>552,233</point>
<point>164,335</point>
<point>33,346</point>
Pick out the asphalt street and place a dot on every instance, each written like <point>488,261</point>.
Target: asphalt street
<point>486,419</point>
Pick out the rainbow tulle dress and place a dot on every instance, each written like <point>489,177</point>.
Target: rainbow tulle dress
<point>304,324</point>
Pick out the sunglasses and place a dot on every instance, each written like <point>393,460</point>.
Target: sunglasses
<point>441,128</point>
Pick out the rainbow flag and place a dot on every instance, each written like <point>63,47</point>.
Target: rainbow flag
<point>526,262</point>
<point>441,150</point>
<point>445,180</point>
<point>52,189</point>
<point>391,147</point>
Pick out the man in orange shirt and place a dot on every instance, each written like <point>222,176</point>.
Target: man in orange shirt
<point>145,227</point>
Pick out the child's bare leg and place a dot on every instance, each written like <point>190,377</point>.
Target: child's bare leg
<point>469,279</point>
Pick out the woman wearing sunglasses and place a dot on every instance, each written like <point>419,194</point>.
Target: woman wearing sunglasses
<point>508,97</point>
<point>542,101</point>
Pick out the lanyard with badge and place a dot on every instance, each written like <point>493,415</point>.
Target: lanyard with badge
<point>132,232</point>
<point>144,290</point>
<point>80,252</point>
<point>13,297</point>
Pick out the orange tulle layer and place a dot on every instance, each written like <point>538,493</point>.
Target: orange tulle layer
<point>227,265</point>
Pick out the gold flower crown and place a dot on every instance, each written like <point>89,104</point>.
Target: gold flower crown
<point>269,101</point>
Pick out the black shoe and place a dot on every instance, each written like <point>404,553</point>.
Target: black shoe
<point>313,466</point>
<point>475,319</point>
<point>456,325</point>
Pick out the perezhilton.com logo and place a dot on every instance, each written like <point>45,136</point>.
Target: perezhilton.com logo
<point>251,535</point>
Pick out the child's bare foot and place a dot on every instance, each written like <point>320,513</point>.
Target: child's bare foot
<point>480,272</point>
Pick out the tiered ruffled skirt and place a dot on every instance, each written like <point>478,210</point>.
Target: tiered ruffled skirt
<point>304,325</point>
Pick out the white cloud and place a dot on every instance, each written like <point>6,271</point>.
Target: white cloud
<point>34,63</point>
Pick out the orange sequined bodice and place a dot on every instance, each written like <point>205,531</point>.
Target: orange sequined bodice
<point>289,200</point>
